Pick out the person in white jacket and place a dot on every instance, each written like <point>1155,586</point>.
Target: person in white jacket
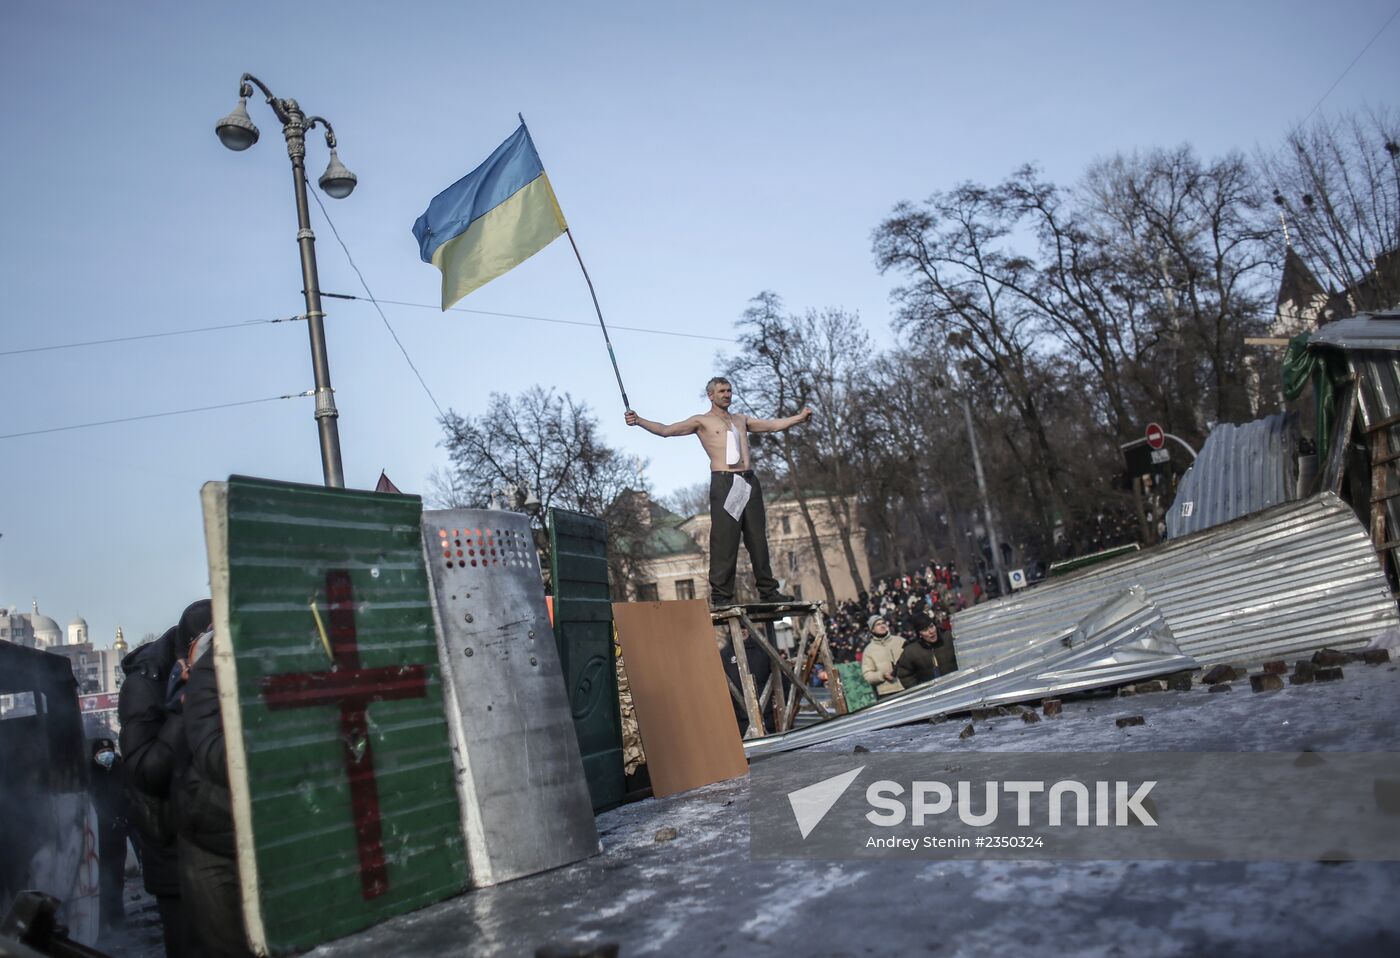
<point>878,660</point>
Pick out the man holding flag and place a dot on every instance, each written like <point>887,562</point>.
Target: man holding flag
<point>736,500</point>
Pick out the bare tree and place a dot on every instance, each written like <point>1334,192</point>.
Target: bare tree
<point>1336,182</point>
<point>689,500</point>
<point>549,443</point>
<point>771,380</point>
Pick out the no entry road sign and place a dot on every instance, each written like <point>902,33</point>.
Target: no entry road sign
<point>1156,438</point>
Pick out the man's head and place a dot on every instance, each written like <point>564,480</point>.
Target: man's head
<point>923,626</point>
<point>877,625</point>
<point>719,391</point>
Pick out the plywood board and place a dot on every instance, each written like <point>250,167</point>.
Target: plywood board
<point>525,804</point>
<point>678,690</point>
<point>339,759</point>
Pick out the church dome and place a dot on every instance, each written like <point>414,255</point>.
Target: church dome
<point>77,631</point>
<point>46,630</point>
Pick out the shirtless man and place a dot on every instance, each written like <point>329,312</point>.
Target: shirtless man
<point>736,501</point>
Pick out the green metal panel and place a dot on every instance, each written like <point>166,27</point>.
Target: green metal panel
<point>859,695</point>
<point>583,629</point>
<point>338,730</point>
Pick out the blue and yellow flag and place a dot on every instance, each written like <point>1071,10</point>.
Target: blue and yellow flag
<point>491,220</point>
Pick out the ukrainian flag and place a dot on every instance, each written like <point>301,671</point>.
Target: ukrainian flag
<point>491,220</point>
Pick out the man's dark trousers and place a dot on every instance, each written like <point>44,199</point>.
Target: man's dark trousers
<point>725,533</point>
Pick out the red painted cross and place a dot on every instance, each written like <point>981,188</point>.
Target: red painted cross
<point>351,689</point>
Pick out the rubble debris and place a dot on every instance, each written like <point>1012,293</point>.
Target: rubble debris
<point>1220,687</point>
<point>1179,682</point>
<point>1131,720</point>
<point>967,732</point>
<point>1304,668</point>
<point>859,750</point>
<point>1154,686</point>
<point>1051,707</point>
<point>666,834</point>
<point>1265,683</point>
<point>1218,674</point>
<point>1328,658</point>
<point>981,715</point>
<point>1276,668</point>
<point>1375,656</point>
<point>1030,718</point>
<point>1328,675</point>
<point>1302,678</point>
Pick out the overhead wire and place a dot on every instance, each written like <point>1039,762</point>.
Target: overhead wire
<point>171,332</point>
<point>156,415</point>
<point>1355,60</point>
<point>397,342</point>
<point>536,319</point>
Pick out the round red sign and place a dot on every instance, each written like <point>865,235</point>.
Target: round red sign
<point>1156,438</point>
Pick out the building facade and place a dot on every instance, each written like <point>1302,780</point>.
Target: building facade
<point>676,561</point>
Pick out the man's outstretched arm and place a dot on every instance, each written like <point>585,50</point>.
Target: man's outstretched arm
<point>778,425</point>
<point>685,427</point>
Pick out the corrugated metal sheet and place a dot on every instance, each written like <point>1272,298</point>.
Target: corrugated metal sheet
<point>1366,331</point>
<point>1123,640</point>
<point>1378,399</point>
<point>1283,582</point>
<point>1241,469</point>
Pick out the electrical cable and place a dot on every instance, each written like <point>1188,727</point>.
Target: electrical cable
<point>157,415</point>
<point>127,339</point>
<point>408,359</point>
<point>534,319</point>
<point>1353,63</point>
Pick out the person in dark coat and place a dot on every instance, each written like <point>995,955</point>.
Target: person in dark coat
<point>918,663</point>
<point>107,788</point>
<point>208,853</point>
<point>152,738</point>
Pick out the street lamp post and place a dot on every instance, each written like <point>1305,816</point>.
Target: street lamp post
<point>955,340</point>
<point>237,132</point>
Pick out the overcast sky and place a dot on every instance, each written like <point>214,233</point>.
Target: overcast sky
<point>701,152</point>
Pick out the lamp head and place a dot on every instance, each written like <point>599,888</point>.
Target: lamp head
<point>237,130</point>
<point>337,181</point>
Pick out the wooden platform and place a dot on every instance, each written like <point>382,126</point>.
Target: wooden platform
<point>812,647</point>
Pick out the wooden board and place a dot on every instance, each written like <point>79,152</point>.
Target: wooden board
<point>678,690</point>
<point>340,764</point>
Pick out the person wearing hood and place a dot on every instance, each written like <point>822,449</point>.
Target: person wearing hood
<point>209,883</point>
<point>877,662</point>
<point>152,737</point>
<point>918,662</point>
<point>107,788</point>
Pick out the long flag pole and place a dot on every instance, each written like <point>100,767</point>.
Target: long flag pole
<point>616,372</point>
<point>626,403</point>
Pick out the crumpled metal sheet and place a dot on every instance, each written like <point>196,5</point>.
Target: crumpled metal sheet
<point>1364,331</point>
<point>1378,400</point>
<point>1279,583</point>
<point>1122,640</point>
<point>1241,469</point>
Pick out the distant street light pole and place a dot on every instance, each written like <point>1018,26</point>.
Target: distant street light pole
<point>992,536</point>
<point>237,132</point>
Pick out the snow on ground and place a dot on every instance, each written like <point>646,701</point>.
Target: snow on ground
<point>702,894</point>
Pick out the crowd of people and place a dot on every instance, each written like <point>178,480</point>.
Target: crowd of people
<point>172,748</point>
<point>932,590</point>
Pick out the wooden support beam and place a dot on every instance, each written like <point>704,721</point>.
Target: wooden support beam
<point>786,671</point>
<point>833,678</point>
<point>741,661</point>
